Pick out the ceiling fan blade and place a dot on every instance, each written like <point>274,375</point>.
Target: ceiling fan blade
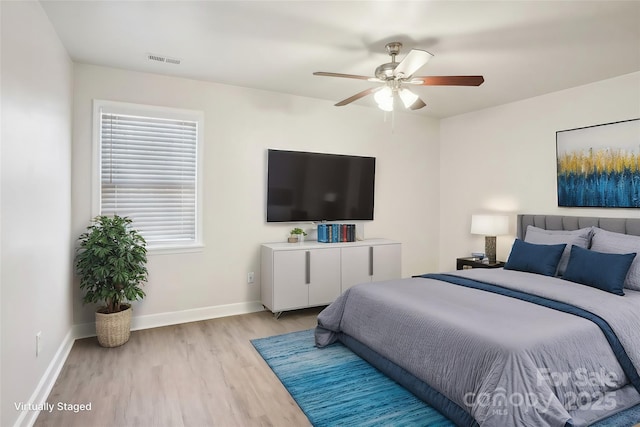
<point>447,81</point>
<point>411,63</point>
<point>359,95</point>
<point>348,76</point>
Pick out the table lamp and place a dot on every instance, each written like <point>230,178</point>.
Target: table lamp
<point>490,226</point>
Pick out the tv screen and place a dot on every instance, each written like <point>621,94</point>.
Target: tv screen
<point>305,186</point>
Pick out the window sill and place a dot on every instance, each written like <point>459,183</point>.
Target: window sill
<point>168,250</point>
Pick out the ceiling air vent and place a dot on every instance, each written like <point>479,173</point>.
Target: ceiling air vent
<point>161,58</point>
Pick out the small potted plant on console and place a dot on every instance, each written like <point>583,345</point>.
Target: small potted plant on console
<point>297,235</point>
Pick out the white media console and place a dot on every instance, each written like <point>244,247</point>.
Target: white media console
<point>309,274</point>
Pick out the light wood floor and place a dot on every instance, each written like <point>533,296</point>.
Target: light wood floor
<point>196,374</point>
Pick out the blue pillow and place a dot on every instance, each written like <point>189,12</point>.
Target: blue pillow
<point>598,269</point>
<point>532,258</point>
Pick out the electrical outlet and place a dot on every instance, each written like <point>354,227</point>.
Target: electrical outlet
<point>38,344</point>
<point>250,277</point>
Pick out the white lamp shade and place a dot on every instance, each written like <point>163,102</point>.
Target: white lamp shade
<point>408,98</point>
<point>490,225</point>
<point>384,99</point>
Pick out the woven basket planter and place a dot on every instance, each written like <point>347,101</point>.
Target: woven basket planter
<point>113,329</point>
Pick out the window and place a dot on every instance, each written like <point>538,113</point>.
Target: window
<point>147,168</point>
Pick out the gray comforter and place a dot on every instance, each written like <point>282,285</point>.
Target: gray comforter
<point>505,361</point>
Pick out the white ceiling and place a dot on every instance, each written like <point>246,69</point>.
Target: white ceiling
<point>522,48</point>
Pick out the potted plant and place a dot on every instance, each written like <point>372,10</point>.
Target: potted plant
<point>111,262</point>
<point>297,235</point>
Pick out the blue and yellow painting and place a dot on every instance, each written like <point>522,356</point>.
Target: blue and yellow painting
<point>599,166</point>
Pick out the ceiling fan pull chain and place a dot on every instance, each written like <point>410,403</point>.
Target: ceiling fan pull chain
<point>393,114</point>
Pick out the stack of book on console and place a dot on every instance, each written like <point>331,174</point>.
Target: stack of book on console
<point>336,233</point>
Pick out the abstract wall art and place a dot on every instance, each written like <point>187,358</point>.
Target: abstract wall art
<point>599,166</point>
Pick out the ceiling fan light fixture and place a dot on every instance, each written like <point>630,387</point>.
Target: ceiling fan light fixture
<point>384,99</point>
<point>408,98</point>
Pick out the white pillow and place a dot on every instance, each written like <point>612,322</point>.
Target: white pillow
<point>618,243</point>
<point>541,236</point>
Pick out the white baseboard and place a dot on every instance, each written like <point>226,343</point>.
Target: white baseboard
<point>193,315</point>
<point>40,394</point>
<point>84,330</point>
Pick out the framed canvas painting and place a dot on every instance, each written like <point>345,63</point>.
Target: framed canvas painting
<point>599,166</point>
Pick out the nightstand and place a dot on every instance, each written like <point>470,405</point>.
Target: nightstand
<point>471,262</point>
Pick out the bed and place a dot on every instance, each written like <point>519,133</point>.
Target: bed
<point>547,341</point>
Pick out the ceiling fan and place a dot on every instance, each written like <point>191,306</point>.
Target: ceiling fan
<point>396,75</point>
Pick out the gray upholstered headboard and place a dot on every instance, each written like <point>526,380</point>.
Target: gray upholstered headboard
<point>562,222</point>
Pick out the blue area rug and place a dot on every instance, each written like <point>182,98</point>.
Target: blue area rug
<point>334,387</point>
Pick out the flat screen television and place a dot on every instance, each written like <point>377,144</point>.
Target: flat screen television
<point>304,186</point>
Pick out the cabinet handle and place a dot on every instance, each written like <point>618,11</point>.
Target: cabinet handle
<point>307,276</point>
<point>370,260</point>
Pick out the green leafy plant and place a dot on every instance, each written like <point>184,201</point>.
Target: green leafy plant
<point>111,262</point>
<point>296,231</point>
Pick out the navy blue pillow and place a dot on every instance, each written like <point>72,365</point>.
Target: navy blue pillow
<point>598,269</point>
<point>532,258</point>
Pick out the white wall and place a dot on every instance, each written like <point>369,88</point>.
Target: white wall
<point>240,124</point>
<point>504,159</point>
<point>35,204</point>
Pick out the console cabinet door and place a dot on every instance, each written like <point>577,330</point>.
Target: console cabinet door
<point>290,290</point>
<point>356,266</point>
<point>362,264</point>
<point>386,262</point>
<point>324,286</point>
<point>303,278</point>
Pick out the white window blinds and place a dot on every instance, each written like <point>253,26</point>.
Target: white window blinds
<point>148,172</point>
